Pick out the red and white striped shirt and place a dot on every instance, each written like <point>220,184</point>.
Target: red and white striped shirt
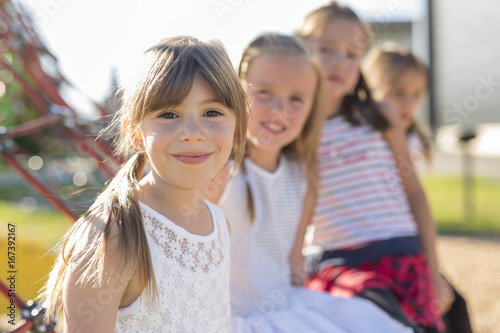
<point>361,198</point>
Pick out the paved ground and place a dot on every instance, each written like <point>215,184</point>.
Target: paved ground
<point>472,265</point>
<point>444,163</point>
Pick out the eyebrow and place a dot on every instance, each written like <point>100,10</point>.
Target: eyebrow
<point>267,85</point>
<point>330,41</point>
<point>263,84</point>
<point>211,101</point>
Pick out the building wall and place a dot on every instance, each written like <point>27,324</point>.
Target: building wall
<point>467,61</point>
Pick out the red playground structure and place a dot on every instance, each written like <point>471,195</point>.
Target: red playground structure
<point>39,126</point>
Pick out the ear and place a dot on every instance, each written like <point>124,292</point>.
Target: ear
<point>137,141</point>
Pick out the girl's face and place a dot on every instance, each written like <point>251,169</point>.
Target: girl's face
<point>340,49</point>
<point>405,94</point>
<point>188,145</point>
<point>281,89</point>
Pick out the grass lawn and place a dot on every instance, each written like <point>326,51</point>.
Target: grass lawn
<point>445,196</point>
<point>45,225</point>
<point>35,234</point>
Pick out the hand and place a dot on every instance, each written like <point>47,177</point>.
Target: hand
<point>444,293</point>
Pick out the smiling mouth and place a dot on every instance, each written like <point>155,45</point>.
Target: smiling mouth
<point>274,128</point>
<point>192,158</point>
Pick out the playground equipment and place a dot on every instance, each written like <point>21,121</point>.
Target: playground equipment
<point>39,124</point>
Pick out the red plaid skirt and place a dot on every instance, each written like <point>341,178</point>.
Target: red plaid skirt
<point>406,276</point>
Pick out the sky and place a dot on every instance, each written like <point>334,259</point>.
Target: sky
<point>93,36</point>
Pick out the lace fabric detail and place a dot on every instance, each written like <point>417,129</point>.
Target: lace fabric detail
<point>192,276</point>
<point>198,256</point>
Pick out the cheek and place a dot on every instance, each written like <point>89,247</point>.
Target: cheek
<point>154,139</point>
<point>257,112</point>
<point>323,62</point>
<point>257,109</point>
<point>353,74</point>
<point>414,110</point>
<point>398,105</point>
<point>223,133</point>
<point>299,118</point>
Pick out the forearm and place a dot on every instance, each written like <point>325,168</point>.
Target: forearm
<point>296,258</point>
<point>426,227</point>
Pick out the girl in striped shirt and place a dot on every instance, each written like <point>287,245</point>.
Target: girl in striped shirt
<point>372,233</point>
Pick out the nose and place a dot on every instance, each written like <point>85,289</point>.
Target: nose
<point>278,104</point>
<point>279,108</point>
<point>337,59</point>
<point>410,103</point>
<point>192,130</point>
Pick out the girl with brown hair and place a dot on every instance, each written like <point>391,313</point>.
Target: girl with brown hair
<point>151,255</point>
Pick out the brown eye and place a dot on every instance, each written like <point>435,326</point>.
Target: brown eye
<point>213,113</point>
<point>263,94</point>
<point>168,115</point>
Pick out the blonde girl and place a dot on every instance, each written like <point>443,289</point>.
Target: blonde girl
<point>397,77</point>
<point>151,255</point>
<point>372,232</point>
<point>264,202</point>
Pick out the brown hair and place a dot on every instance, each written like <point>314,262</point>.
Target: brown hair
<point>358,104</point>
<point>384,65</point>
<point>176,63</point>
<point>304,147</point>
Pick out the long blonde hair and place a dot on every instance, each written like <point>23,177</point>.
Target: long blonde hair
<point>176,62</point>
<point>384,65</point>
<point>360,99</point>
<point>304,147</point>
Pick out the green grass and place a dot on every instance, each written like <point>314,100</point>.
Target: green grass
<point>446,198</point>
<point>46,226</point>
<point>35,234</point>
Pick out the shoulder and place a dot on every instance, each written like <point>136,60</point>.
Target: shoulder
<point>218,217</point>
<point>93,237</point>
<point>215,211</point>
<point>293,167</point>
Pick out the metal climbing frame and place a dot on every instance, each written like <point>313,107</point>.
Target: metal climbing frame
<point>41,90</point>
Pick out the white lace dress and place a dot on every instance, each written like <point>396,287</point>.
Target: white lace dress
<point>192,275</point>
<point>263,299</point>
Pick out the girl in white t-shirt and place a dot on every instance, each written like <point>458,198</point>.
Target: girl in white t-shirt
<point>265,201</point>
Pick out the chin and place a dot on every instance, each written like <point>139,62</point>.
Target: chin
<point>335,94</point>
<point>197,185</point>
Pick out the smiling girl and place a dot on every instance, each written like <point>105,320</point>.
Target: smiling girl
<point>273,192</point>
<point>150,255</point>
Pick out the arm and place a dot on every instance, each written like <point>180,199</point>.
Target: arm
<point>91,308</point>
<point>419,206</point>
<point>296,258</point>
